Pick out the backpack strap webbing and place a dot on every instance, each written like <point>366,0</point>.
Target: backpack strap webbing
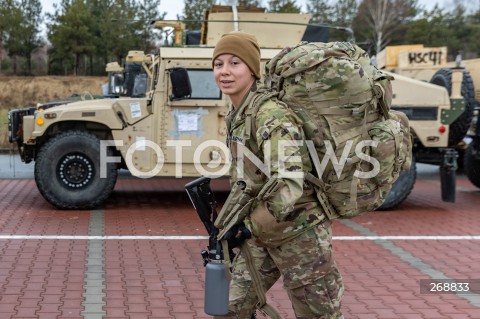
<point>330,106</point>
<point>321,196</point>
<point>380,94</point>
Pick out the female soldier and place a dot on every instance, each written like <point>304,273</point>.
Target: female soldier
<point>291,236</point>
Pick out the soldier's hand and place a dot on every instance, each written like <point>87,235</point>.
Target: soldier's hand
<point>237,235</point>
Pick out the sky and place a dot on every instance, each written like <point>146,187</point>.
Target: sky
<point>174,7</point>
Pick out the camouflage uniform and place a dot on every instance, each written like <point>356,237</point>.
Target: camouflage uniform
<point>291,237</point>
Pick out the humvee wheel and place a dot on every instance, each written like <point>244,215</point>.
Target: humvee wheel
<point>67,171</point>
<point>401,188</point>
<point>460,126</point>
<point>471,165</point>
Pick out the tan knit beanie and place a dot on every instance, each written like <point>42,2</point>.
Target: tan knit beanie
<point>242,45</point>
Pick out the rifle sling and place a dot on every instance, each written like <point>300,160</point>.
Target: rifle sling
<point>262,304</point>
<point>226,260</point>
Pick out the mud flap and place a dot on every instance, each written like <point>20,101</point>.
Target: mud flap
<point>448,171</point>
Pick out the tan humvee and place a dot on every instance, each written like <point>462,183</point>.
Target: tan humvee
<point>430,64</point>
<point>419,62</point>
<point>153,124</point>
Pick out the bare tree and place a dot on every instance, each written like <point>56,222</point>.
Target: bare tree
<point>385,17</point>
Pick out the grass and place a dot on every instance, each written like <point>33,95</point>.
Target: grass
<point>4,144</point>
<point>20,92</point>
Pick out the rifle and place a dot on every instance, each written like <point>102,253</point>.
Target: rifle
<point>217,281</point>
<point>216,288</point>
<point>203,200</point>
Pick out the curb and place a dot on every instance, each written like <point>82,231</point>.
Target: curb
<point>7,151</point>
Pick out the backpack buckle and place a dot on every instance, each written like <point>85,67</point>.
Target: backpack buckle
<point>378,91</point>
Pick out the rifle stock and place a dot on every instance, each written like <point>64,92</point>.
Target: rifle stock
<point>203,200</point>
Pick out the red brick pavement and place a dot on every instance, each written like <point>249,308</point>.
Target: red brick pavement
<point>44,278</point>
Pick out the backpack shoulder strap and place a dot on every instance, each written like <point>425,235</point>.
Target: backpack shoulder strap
<point>261,97</point>
<point>380,96</point>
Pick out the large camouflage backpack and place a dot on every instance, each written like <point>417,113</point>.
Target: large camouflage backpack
<point>357,144</point>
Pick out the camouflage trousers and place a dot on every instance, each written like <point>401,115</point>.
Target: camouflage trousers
<point>310,276</point>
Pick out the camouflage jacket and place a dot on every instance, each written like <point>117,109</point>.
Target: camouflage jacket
<point>272,159</point>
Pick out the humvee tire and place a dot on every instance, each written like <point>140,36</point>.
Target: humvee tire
<point>460,126</point>
<point>401,188</point>
<point>471,165</point>
<point>67,171</point>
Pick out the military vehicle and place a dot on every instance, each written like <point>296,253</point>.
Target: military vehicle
<point>430,64</point>
<point>164,115</point>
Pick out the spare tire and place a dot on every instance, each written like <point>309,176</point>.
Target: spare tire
<point>401,188</point>
<point>459,128</point>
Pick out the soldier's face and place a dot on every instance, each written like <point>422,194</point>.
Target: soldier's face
<point>232,76</point>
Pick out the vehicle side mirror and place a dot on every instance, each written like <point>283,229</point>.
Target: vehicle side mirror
<point>181,87</point>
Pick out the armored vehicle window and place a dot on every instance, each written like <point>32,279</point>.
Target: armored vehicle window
<point>140,85</point>
<point>203,84</point>
<point>132,69</point>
